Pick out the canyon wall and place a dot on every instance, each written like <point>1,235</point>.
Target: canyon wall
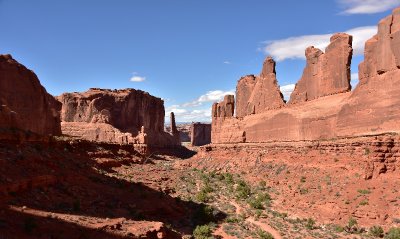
<point>200,134</point>
<point>322,105</point>
<point>24,102</point>
<point>119,116</point>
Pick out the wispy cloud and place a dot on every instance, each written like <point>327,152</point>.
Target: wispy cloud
<point>294,47</point>
<point>287,90</point>
<point>198,109</point>
<point>136,78</point>
<point>354,80</point>
<point>210,96</point>
<point>227,62</point>
<point>367,6</point>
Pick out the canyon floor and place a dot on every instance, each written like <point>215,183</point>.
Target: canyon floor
<point>67,188</point>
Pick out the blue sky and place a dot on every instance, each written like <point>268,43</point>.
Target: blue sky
<point>188,52</point>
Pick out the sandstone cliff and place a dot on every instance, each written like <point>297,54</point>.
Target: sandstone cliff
<point>322,105</point>
<point>115,116</point>
<point>24,102</point>
<point>325,73</point>
<point>256,94</point>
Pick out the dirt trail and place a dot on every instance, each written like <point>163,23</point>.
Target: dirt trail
<point>262,225</point>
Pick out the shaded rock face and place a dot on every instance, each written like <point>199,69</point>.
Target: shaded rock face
<point>256,94</point>
<point>322,105</point>
<point>24,102</point>
<point>115,116</point>
<point>200,134</point>
<point>325,73</point>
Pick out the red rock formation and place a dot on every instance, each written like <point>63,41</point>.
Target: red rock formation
<point>224,109</point>
<point>244,89</point>
<point>24,102</point>
<point>200,134</point>
<point>114,116</point>
<point>372,108</point>
<point>325,74</point>
<point>256,94</point>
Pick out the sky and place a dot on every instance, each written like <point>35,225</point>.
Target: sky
<point>188,52</point>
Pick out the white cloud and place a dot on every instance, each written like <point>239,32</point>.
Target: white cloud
<point>199,109</point>
<point>137,78</point>
<point>210,96</point>
<point>294,47</point>
<point>287,90</point>
<point>354,80</point>
<point>227,62</point>
<point>367,6</point>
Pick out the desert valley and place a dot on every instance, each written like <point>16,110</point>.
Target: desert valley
<point>104,164</point>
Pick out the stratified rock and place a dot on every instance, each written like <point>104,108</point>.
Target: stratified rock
<point>225,108</point>
<point>373,107</point>
<point>200,134</point>
<point>325,74</point>
<point>24,102</point>
<point>126,111</point>
<point>256,94</point>
<point>244,89</point>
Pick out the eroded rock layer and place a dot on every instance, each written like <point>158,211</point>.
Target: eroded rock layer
<point>372,108</point>
<point>256,94</point>
<point>24,102</point>
<point>119,116</point>
<point>325,73</point>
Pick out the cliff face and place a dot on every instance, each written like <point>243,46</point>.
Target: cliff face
<point>322,105</point>
<point>127,110</point>
<point>256,94</point>
<point>325,73</point>
<point>115,116</point>
<point>24,102</point>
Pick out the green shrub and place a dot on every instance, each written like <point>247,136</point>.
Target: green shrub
<point>364,191</point>
<point>202,196</point>
<point>228,178</point>
<point>243,190</point>
<point>393,233</point>
<point>310,224</point>
<point>264,235</point>
<point>203,232</point>
<point>376,231</point>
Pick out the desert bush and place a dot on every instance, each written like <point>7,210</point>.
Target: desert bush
<point>376,231</point>
<point>393,233</point>
<point>202,196</point>
<point>351,226</point>
<point>243,190</point>
<point>203,232</point>
<point>264,235</point>
<point>363,191</point>
<point>310,224</point>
